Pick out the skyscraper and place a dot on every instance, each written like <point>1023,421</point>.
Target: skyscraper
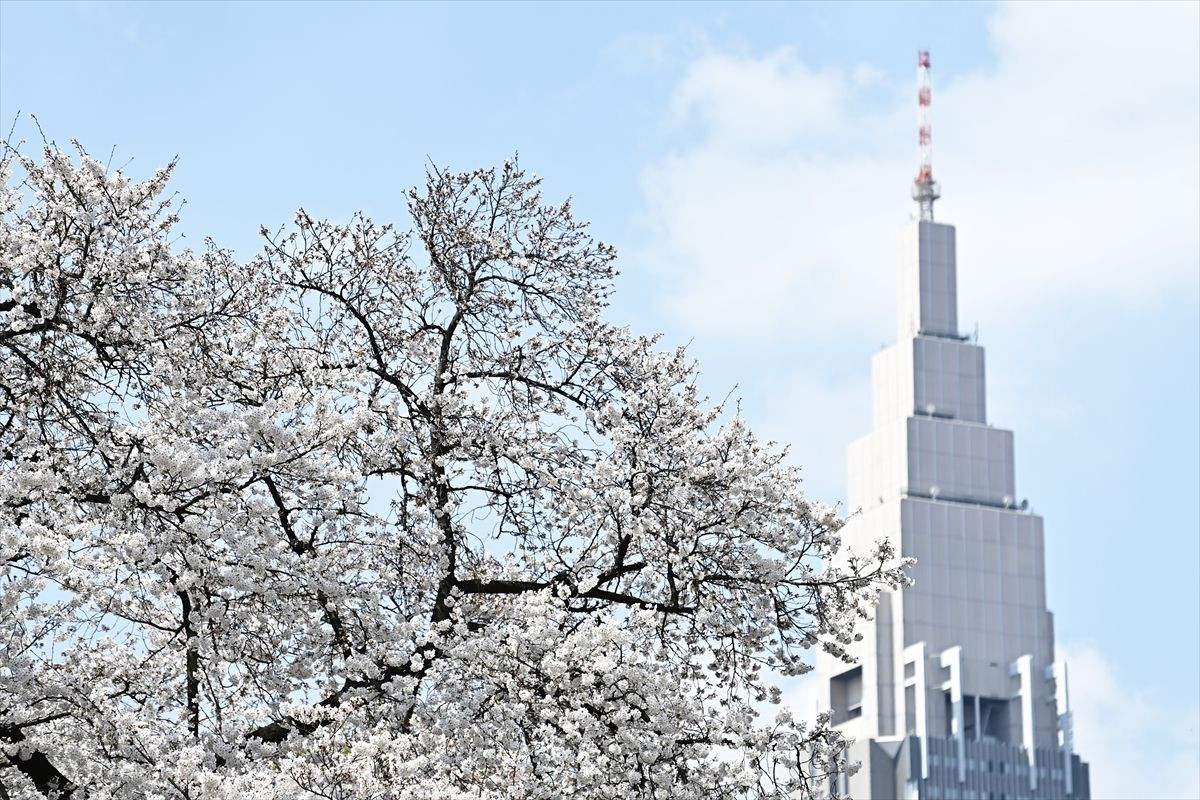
<point>956,693</point>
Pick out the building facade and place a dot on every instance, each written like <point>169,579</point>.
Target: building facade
<point>956,693</point>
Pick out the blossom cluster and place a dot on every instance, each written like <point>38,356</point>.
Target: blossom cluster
<point>382,514</point>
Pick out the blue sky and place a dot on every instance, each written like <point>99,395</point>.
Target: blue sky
<point>751,163</point>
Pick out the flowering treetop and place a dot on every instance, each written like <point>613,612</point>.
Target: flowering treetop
<point>382,515</point>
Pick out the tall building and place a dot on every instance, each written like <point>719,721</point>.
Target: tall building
<point>956,693</point>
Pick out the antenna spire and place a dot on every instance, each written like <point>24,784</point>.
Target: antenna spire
<point>925,189</point>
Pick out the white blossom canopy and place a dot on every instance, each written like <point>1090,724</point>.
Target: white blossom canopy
<point>382,515</point>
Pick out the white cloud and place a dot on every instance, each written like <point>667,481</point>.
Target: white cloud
<point>774,100</point>
<point>1085,141</point>
<point>1071,168</point>
<point>750,243</point>
<point>1137,746</point>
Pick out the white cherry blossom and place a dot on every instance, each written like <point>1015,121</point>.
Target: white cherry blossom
<point>382,515</point>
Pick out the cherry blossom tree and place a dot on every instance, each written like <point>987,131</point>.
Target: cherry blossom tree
<point>382,515</point>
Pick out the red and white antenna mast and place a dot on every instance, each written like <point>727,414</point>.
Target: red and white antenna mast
<point>925,189</point>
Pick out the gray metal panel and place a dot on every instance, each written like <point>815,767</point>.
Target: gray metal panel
<point>947,379</point>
